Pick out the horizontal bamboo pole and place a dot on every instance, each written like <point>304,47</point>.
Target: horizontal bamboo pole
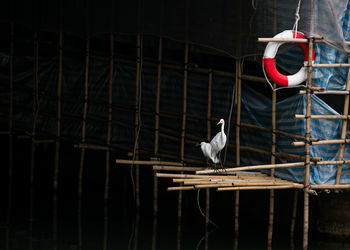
<point>260,188</point>
<point>253,78</point>
<point>324,142</point>
<point>174,168</point>
<point>182,180</point>
<point>181,188</point>
<point>328,92</point>
<point>335,117</point>
<point>285,40</point>
<point>43,141</point>
<point>330,65</point>
<point>257,167</point>
<point>91,146</point>
<point>238,183</point>
<point>278,154</point>
<point>338,186</point>
<point>272,166</point>
<point>166,175</point>
<point>120,161</point>
<point>278,132</point>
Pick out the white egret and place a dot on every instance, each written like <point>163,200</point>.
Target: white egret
<point>212,149</point>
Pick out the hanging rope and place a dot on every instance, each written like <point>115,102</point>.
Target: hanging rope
<point>297,18</point>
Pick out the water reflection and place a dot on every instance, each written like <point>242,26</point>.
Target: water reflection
<point>154,232</point>
<point>105,237</point>
<point>133,239</point>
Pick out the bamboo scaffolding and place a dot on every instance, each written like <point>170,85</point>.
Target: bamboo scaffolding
<point>324,142</point>
<point>156,135</point>
<point>343,129</point>
<point>334,117</point>
<point>109,124</point>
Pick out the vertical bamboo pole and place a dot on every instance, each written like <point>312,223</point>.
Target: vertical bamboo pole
<point>156,134</point>
<point>10,172</point>
<point>154,233</point>
<point>183,130</point>
<point>58,134</point>
<point>207,210</point>
<point>343,128</point>
<point>294,214</point>
<point>273,146</point>
<point>137,113</point>
<point>238,123</point>
<point>109,132</point>
<point>307,147</point>
<point>32,166</point>
<point>83,139</point>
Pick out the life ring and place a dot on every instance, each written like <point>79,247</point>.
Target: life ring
<point>269,61</point>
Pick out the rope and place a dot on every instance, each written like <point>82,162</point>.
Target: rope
<point>200,210</point>
<point>139,117</point>
<point>297,18</point>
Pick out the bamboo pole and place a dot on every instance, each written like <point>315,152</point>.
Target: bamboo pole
<point>58,134</point>
<point>334,117</point>
<point>33,146</point>
<point>184,105</point>
<point>138,162</point>
<point>109,132</point>
<point>110,112</point>
<point>257,188</point>
<point>325,142</point>
<point>307,146</point>
<point>137,114</point>
<point>328,92</point>
<point>10,172</point>
<point>171,168</point>
<point>294,214</point>
<point>343,129</point>
<point>331,65</point>
<point>332,186</point>
<point>156,135</point>
<point>159,79</point>
<point>238,151</point>
<point>207,191</point>
<point>286,40</point>
<point>83,139</point>
<point>183,131</point>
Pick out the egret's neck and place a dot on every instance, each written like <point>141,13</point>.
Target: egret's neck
<point>222,127</point>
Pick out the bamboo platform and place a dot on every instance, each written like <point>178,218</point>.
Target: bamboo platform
<point>237,181</point>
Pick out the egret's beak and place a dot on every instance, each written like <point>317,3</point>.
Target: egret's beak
<point>219,123</point>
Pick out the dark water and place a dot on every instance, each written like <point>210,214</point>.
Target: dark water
<point>29,219</point>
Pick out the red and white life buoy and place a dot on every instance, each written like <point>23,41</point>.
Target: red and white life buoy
<point>269,61</point>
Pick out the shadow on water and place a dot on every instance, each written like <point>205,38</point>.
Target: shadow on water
<point>33,218</point>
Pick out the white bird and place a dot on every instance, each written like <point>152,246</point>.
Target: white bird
<point>212,149</point>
